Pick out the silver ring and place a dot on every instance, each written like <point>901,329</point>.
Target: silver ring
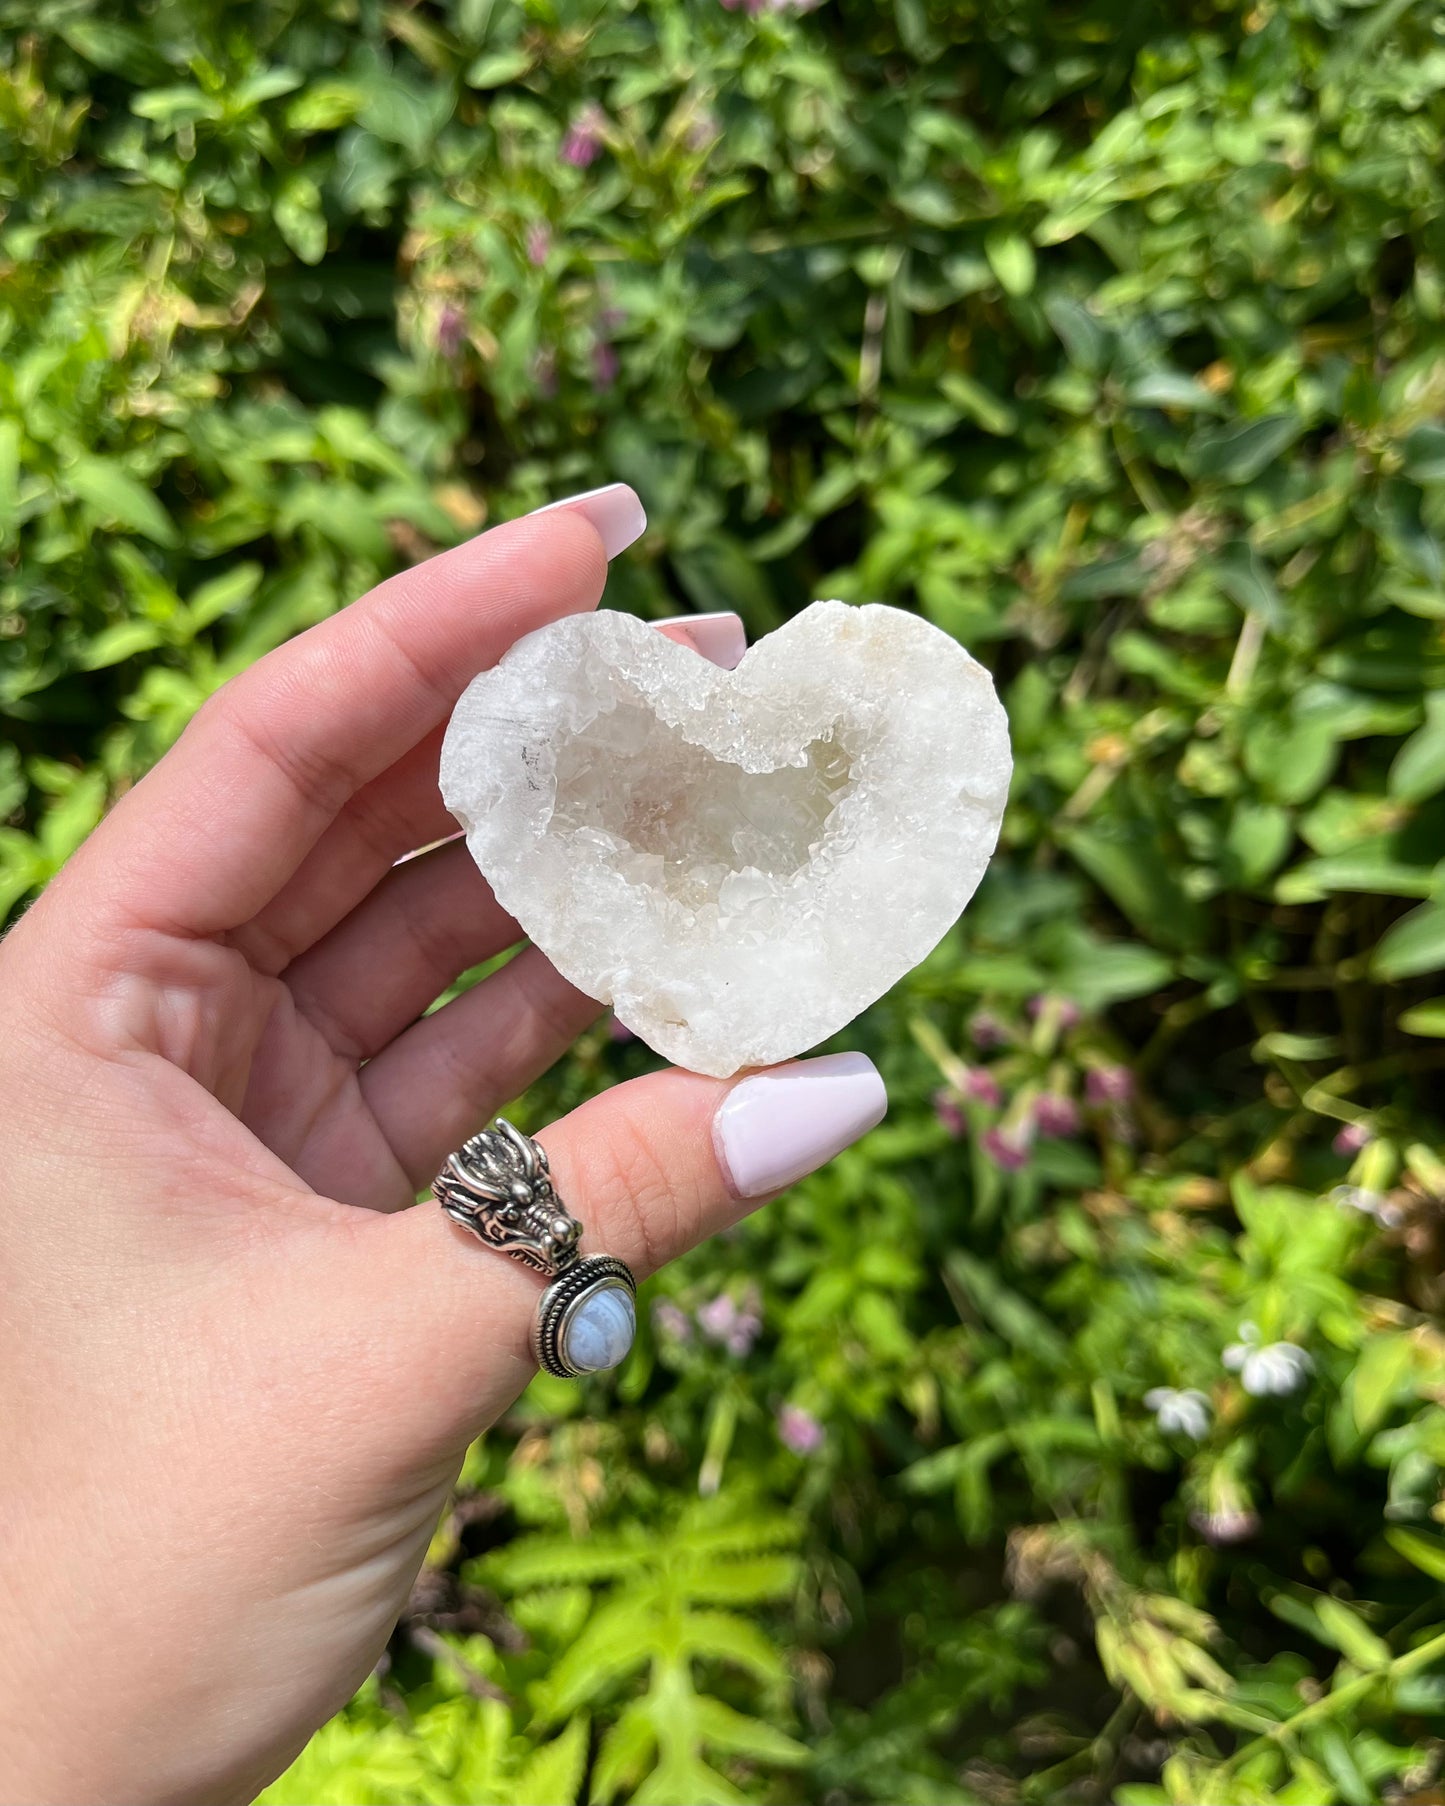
<point>497,1185</point>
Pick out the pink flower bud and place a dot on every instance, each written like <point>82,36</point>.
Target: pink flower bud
<point>799,1430</point>
<point>1056,1116</point>
<point>945,1108</point>
<point>1007,1149</point>
<point>981,1087</point>
<point>1104,1085</point>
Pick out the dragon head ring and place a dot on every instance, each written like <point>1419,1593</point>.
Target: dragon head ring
<point>498,1186</point>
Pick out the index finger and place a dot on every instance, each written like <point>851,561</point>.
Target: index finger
<point>225,818</point>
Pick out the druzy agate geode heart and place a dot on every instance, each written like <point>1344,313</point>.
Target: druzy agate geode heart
<point>738,861</point>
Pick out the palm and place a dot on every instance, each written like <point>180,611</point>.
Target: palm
<point>214,1047</point>
<point>300,1093</point>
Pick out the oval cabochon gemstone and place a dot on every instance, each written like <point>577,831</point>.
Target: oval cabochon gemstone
<point>601,1330</point>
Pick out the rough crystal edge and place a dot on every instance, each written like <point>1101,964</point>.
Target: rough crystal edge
<point>641,657</point>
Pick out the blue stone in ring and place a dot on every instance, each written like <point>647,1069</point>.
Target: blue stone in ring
<point>587,1317</point>
<point>599,1329</point>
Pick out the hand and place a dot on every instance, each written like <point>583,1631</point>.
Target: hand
<point>241,1371</point>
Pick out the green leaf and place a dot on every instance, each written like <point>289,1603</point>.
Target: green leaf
<point>172,108</point>
<point>114,644</point>
<point>1007,1311</point>
<point>1418,770</point>
<point>264,85</point>
<point>325,105</point>
<point>221,595</point>
<point>1424,451</point>
<point>1085,340</point>
<point>1351,1635</point>
<point>1426,1018</point>
<point>300,220</point>
<point>1332,1747</point>
<point>719,575</point>
<point>728,1638</point>
<point>744,1582</point>
<point>120,49</point>
<point>553,1777</point>
<point>1415,944</point>
<point>1128,862</point>
<point>1258,840</point>
<point>738,1735</point>
<point>1237,453</point>
<point>117,499</point>
<point>1111,972</point>
<point>1384,1366</point>
<point>627,1750</point>
<point>1246,579</point>
<point>9,475</point>
<point>1172,390</point>
<point>1011,257</point>
<point>498,67</point>
<point>977,403</point>
<point>1427,1553</point>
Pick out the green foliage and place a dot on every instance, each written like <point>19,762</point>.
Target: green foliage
<point>1112,339</point>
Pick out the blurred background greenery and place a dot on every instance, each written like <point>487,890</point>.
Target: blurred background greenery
<point>1077,1437</point>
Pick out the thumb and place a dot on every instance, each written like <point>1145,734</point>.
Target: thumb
<point>650,1168</point>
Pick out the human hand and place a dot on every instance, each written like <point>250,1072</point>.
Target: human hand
<point>241,1371</point>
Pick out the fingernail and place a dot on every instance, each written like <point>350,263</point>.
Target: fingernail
<point>778,1125</point>
<point>719,638</point>
<point>614,510</point>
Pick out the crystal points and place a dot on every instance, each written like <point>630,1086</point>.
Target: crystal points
<point>738,861</point>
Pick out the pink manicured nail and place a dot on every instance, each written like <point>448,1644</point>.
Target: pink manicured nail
<point>614,510</point>
<point>778,1125</point>
<point>719,638</point>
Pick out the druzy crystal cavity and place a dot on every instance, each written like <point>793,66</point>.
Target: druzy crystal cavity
<point>738,861</point>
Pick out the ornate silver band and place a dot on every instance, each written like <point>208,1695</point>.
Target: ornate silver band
<point>498,1186</point>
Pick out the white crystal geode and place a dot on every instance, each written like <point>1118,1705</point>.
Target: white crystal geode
<point>738,861</point>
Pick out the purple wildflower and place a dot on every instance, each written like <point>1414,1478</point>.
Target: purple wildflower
<point>1066,1014</point>
<point>986,1031</point>
<point>799,1430</point>
<point>539,242</point>
<point>604,365</point>
<point>736,1327</point>
<point>1370,1204</point>
<point>1008,1149</point>
<point>945,1108</point>
<point>1056,1116</point>
<point>451,324</point>
<point>981,1087</point>
<point>1104,1085</point>
<point>1230,1524</point>
<point>672,1320</point>
<point>1352,1139</point>
<point>583,141</point>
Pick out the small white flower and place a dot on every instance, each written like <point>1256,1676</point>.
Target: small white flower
<point>1183,1413</point>
<point>1274,1368</point>
<point>1368,1203</point>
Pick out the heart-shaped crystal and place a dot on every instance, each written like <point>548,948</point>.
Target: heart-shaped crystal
<point>738,861</point>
